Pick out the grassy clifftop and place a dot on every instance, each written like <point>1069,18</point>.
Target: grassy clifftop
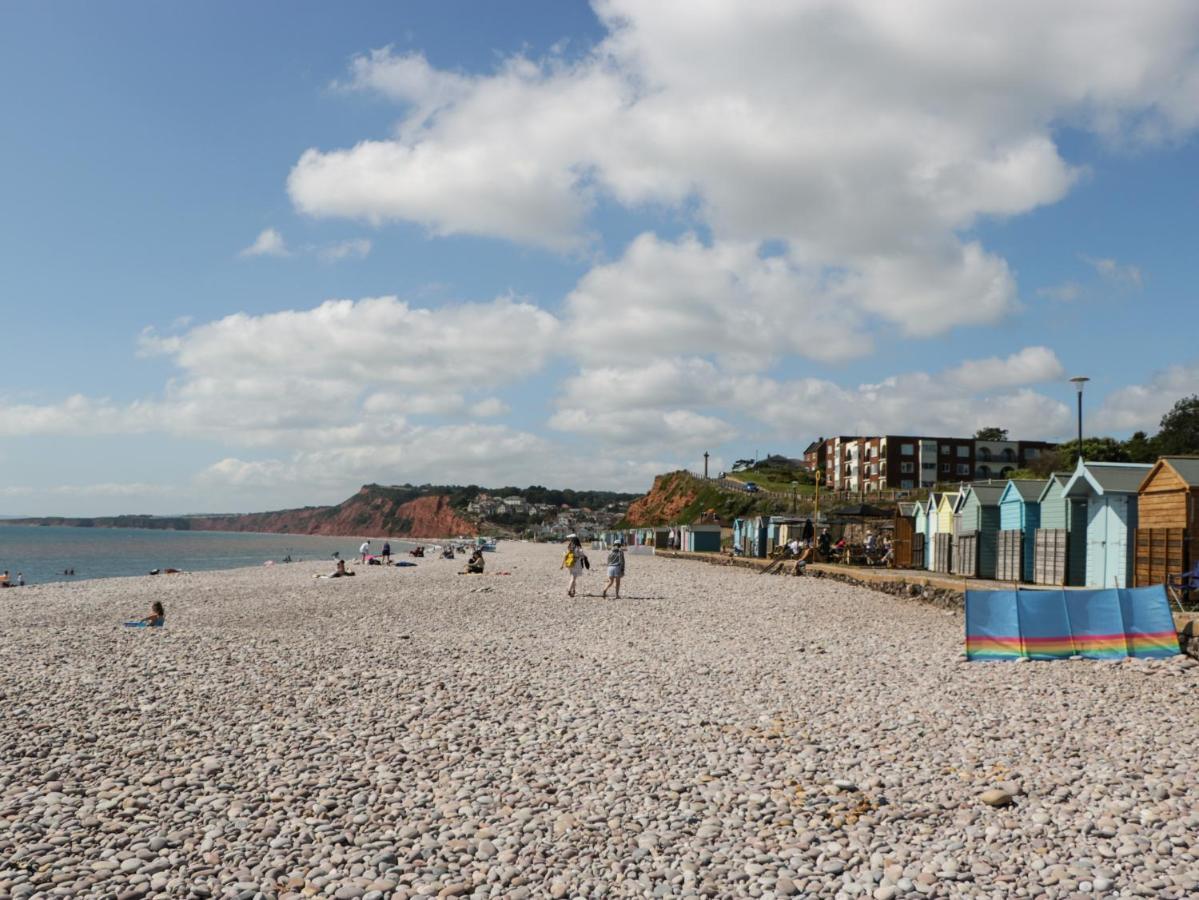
<point>681,498</point>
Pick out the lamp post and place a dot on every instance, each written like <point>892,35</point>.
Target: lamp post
<point>794,497</point>
<point>1078,381</point>
<point>818,474</point>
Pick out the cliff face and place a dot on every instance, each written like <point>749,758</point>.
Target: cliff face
<point>372,511</point>
<point>666,500</point>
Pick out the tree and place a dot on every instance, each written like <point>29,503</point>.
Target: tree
<point>1096,449</point>
<point>1141,448</point>
<point>742,464</point>
<point>1180,428</point>
<point>991,434</point>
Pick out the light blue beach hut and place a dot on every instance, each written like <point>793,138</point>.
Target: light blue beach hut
<point>920,527</point>
<point>1110,491</point>
<point>932,527</point>
<point>1019,519</point>
<point>1061,539</point>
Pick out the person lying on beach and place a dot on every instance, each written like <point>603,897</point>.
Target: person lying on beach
<point>340,572</point>
<point>4,582</point>
<point>166,571</point>
<point>474,565</point>
<point>156,619</point>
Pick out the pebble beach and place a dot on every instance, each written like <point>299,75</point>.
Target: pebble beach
<point>413,732</point>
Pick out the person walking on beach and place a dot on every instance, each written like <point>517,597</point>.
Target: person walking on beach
<point>574,560</point>
<point>364,550</point>
<point>615,568</point>
<point>386,554</point>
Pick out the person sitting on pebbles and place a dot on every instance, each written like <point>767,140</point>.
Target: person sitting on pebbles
<point>474,565</point>
<point>156,619</point>
<point>340,572</point>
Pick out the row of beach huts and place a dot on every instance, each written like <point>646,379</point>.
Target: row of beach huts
<point>1102,525</point>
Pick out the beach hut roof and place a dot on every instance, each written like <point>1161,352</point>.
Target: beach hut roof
<point>1029,490</point>
<point>1059,478</point>
<point>1106,478</point>
<point>987,494</point>
<point>1185,467</point>
<point>908,509</point>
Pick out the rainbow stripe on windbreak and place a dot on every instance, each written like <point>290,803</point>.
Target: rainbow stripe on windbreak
<point>1094,646</point>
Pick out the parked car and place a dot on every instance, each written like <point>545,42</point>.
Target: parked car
<point>751,487</point>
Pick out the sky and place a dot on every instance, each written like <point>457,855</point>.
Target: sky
<point>253,256</point>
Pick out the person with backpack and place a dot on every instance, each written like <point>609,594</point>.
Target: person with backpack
<point>575,561</point>
<point>615,568</point>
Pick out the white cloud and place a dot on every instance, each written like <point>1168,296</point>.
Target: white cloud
<point>1141,406</point>
<point>268,243</point>
<point>1032,365</point>
<point>357,248</point>
<point>1117,273</point>
<point>866,138</point>
<point>1066,292</point>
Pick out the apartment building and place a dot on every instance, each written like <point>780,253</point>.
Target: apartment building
<point>859,463</point>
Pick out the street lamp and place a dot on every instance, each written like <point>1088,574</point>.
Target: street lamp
<point>794,497</point>
<point>1078,381</point>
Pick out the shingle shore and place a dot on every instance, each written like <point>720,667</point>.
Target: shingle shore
<point>414,732</point>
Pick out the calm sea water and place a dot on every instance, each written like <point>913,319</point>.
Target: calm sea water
<point>42,553</point>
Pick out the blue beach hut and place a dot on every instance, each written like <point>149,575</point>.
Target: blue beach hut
<point>1110,492</point>
<point>1019,519</point>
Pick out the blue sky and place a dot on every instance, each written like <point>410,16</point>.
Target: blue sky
<point>572,245</point>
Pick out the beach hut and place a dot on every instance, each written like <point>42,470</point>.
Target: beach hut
<point>1167,534</point>
<point>906,542</point>
<point>944,551</point>
<point>1019,518</point>
<point>976,530</point>
<point>1060,553</point>
<point>1110,490</point>
<point>931,530</point>
<point>702,538</point>
<point>920,532</point>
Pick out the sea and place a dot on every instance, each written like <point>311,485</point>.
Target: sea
<point>44,553</point>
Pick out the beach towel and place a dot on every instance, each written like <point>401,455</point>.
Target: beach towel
<point>1096,624</point>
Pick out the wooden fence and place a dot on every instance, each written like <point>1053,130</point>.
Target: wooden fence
<point>1160,552</point>
<point>943,561</point>
<point>1052,556</point>
<point>1010,563</point>
<point>965,555</point>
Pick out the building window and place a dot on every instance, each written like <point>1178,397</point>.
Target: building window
<point>907,468</point>
<point>984,453</point>
<point>945,468</point>
<point>928,466</point>
<point>907,483</point>
<point>963,468</point>
<point>944,449</point>
<point>963,451</point>
<point>907,449</point>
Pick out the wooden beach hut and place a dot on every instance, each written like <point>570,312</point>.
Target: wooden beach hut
<point>1060,554</point>
<point>906,542</point>
<point>976,530</point>
<point>1019,519</point>
<point>944,552</point>
<point>1167,533</point>
<point>1110,491</point>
